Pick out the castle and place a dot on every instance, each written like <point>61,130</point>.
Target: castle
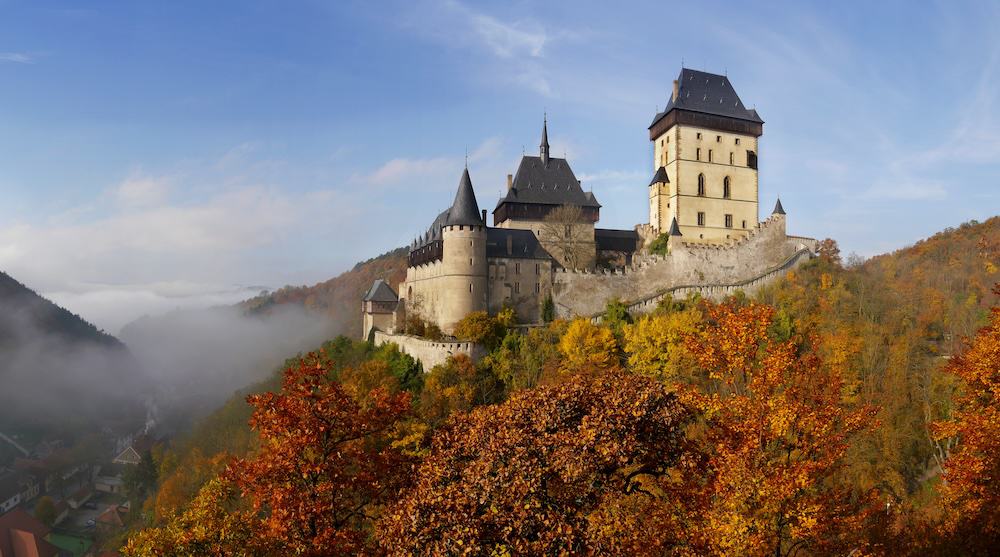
<point>544,243</point>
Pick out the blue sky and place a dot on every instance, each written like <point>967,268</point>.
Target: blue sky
<point>156,155</point>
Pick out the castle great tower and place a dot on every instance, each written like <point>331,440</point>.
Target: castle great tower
<point>705,152</point>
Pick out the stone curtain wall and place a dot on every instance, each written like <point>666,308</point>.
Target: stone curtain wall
<point>428,352</point>
<point>764,250</point>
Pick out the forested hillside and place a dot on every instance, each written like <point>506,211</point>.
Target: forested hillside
<point>817,418</point>
<point>339,297</point>
<point>55,368</point>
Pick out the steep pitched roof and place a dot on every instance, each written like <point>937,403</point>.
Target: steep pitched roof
<point>707,93</point>
<point>674,229</point>
<point>660,177</point>
<point>523,244</point>
<point>778,209</point>
<point>22,535</point>
<point>465,209</point>
<point>547,184</point>
<point>380,291</point>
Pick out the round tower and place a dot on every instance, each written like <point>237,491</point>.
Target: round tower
<point>463,258</point>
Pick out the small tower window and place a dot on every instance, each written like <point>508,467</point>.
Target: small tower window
<point>718,139</point>
<point>725,187</point>
<point>701,185</point>
<point>517,268</point>
<point>470,262</point>
<point>517,287</point>
<point>744,224</point>
<point>730,158</point>
<point>701,218</point>
<point>752,159</point>
<point>709,155</point>
<point>470,287</point>
<point>538,287</point>
<point>737,141</point>
<point>729,221</point>
<point>697,154</point>
<point>699,135</point>
<point>538,268</point>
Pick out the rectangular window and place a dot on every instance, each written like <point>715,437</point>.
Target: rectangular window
<point>744,224</point>
<point>697,154</point>
<point>699,135</point>
<point>737,141</point>
<point>709,155</point>
<point>470,287</point>
<point>538,287</point>
<point>718,139</point>
<point>730,158</point>
<point>538,268</point>
<point>729,221</point>
<point>517,268</point>
<point>470,262</point>
<point>517,287</point>
<point>701,218</point>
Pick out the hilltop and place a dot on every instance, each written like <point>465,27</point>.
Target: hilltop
<point>339,297</point>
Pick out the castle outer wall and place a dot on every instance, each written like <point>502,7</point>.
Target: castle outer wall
<point>760,252</point>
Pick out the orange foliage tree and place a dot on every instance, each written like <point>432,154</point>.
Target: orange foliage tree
<point>324,461</point>
<point>971,492</point>
<point>583,467</point>
<point>776,432</point>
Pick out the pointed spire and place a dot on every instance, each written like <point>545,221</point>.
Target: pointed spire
<point>543,148</point>
<point>674,229</point>
<point>778,209</point>
<point>465,209</point>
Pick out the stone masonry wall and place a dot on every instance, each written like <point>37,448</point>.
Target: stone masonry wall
<point>428,352</point>
<point>761,252</point>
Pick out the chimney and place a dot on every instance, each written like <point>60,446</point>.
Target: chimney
<point>677,91</point>
<point>510,181</point>
<point>484,217</point>
<point>510,244</point>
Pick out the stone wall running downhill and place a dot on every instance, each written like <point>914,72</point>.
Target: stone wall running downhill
<point>762,255</point>
<point>715,291</point>
<point>429,352</point>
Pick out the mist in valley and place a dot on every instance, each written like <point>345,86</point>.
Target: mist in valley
<point>198,358</point>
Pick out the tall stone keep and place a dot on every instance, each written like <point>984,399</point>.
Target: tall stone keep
<point>705,152</point>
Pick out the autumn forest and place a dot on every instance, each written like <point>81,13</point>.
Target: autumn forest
<point>853,408</point>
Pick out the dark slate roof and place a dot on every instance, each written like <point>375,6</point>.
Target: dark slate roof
<point>708,93</point>
<point>547,184</point>
<point>381,292</point>
<point>674,229</point>
<point>465,210</point>
<point>616,240</point>
<point>660,177</point>
<point>524,244</point>
<point>778,209</point>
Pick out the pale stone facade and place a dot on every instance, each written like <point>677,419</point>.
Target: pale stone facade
<point>704,198</point>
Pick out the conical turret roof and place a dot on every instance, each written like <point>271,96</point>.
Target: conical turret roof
<point>778,209</point>
<point>465,209</point>
<point>674,229</point>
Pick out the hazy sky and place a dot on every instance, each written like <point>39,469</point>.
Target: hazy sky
<point>156,155</point>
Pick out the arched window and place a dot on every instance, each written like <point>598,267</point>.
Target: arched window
<point>725,187</point>
<point>701,185</point>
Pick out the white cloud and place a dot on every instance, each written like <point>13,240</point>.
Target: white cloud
<point>401,170</point>
<point>509,40</point>
<point>140,190</point>
<point>17,57</point>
